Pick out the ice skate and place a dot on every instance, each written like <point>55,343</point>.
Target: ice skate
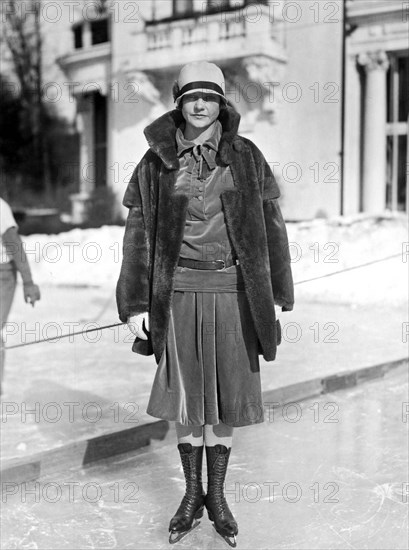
<point>217,508</point>
<point>192,505</point>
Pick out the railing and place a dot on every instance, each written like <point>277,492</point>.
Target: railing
<point>194,35</point>
<point>187,32</point>
<point>232,29</point>
<point>159,39</point>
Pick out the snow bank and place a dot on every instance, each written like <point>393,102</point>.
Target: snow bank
<point>92,257</point>
<point>326,246</point>
<point>80,257</point>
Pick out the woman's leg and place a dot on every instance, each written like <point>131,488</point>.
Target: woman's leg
<point>190,447</point>
<point>189,434</point>
<point>218,441</point>
<point>7,289</point>
<point>219,434</point>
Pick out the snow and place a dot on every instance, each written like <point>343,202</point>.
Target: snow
<point>92,257</point>
<point>326,246</point>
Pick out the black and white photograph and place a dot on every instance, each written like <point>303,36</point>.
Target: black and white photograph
<point>204,287</point>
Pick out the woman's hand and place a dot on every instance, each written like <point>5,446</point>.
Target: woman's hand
<point>278,311</point>
<point>31,293</point>
<point>138,324</point>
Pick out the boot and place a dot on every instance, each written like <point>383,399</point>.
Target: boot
<point>191,507</point>
<point>217,507</point>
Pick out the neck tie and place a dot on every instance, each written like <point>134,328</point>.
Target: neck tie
<point>199,153</point>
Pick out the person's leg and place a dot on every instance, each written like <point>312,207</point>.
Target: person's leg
<point>189,434</point>
<point>7,289</point>
<point>218,441</point>
<point>219,434</point>
<point>190,447</point>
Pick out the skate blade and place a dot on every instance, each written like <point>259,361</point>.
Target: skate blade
<point>174,536</point>
<point>230,542</point>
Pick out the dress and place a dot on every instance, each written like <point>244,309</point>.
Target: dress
<point>7,275</point>
<point>209,371</point>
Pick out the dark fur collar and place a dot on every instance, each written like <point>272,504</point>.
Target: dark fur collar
<point>160,135</point>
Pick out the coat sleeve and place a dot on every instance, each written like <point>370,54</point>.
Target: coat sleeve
<point>277,239</point>
<point>132,290</point>
<point>280,261</point>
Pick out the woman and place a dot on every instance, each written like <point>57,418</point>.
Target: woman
<point>205,262</point>
<point>12,259</point>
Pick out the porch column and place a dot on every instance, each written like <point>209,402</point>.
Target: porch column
<point>374,142</point>
<point>85,127</point>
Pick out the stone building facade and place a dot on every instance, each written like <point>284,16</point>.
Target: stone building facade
<point>321,88</point>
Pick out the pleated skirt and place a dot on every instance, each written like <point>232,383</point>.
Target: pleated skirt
<point>209,371</point>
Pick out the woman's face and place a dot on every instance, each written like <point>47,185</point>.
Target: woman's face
<point>200,110</point>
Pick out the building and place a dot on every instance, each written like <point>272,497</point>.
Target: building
<point>321,87</point>
<point>376,106</point>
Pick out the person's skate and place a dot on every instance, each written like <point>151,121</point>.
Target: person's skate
<point>192,505</point>
<point>217,508</point>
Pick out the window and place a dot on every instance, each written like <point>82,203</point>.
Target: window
<point>77,30</point>
<point>95,32</point>
<point>397,132</point>
<point>100,139</point>
<point>218,5</point>
<point>182,7</point>
<point>99,31</point>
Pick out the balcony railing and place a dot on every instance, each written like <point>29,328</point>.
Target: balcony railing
<point>166,44</point>
<point>221,35</point>
<point>193,33</point>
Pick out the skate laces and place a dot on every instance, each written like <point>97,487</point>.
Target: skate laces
<point>193,479</point>
<point>216,490</point>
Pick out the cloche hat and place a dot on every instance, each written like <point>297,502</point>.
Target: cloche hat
<point>199,76</point>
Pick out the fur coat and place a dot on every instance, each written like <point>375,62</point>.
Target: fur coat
<point>155,227</point>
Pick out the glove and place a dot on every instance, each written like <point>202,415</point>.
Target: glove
<point>139,325</point>
<point>31,293</point>
<point>278,312</point>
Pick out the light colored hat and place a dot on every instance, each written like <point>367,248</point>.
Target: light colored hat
<point>200,76</point>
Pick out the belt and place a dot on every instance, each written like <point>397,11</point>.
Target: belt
<point>212,265</point>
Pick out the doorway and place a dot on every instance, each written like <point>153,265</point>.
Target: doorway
<point>100,139</point>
